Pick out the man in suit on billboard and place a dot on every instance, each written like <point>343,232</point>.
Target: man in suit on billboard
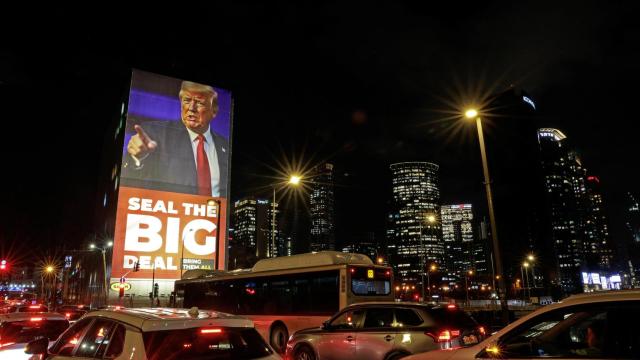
<point>185,157</point>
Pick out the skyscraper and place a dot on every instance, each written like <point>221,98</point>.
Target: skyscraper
<point>252,230</point>
<point>321,209</point>
<point>632,243</point>
<point>560,170</point>
<point>598,250</point>
<point>415,219</point>
<point>458,240</point>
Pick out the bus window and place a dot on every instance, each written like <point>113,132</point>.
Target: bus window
<point>370,282</point>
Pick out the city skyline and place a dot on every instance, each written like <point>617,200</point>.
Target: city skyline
<point>354,110</point>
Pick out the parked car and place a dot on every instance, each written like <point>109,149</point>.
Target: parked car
<point>157,333</point>
<point>385,330</point>
<point>596,325</point>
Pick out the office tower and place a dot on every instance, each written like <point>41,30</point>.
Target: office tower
<point>597,243</point>
<point>632,244</point>
<point>252,229</point>
<point>415,219</point>
<point>321,208</point>
<point>457,236</point>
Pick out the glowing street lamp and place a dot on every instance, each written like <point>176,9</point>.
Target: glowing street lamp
<point>294,180</point>
<point>474,114</point>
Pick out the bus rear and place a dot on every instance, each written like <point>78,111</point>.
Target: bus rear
<point>368,283</point>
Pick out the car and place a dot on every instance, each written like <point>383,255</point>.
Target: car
<point>385,330</point>
<point>73,312</point>
<point>157,333</point>
<point>19,328</point>
<point>24,308</point>
<point>596,325</point>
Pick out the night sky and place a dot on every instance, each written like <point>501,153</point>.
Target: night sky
<point>358,85</point>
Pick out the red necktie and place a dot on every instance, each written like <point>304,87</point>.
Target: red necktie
<point>204,174</point>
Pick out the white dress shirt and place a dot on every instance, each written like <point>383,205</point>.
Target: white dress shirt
<point>212,157</point>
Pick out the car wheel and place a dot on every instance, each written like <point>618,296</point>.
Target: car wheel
<point>304,353</point>
<point>278,337</point>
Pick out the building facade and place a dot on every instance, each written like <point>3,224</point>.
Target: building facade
<point>458,241</point>
<point>415,224</point>
<point>254,237</point>
<point>321,208</point>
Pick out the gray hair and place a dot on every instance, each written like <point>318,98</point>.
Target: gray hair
<point>196,87</point>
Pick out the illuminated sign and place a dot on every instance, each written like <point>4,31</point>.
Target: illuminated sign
<point>370,274</point>
<point>529,101</point>
<point>115,286</point>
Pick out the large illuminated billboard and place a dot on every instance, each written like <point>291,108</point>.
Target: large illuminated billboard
<point>174,182</point>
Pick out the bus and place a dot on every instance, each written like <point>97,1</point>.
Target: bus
<point>285,294</point>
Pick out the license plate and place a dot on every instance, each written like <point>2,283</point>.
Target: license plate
<point>469,339</point>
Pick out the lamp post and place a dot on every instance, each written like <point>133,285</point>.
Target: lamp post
<point>526,279</point>
<point>294,180</point>
<point>431,219</point>
<point>532,259</point>
<point>433,267</point>
<point>104,269</point>
<point>473,114</point>
<point>466,284</point>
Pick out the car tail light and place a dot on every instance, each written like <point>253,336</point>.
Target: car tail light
<point>67,315</point>
<point>210,331</point>
<point>34,307</point>
<point>445,335</point>
<point>36,319</point>
<point>452,307</point>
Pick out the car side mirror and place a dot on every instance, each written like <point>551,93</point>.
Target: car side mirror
<point>326,325</point>
<point>37,347</point>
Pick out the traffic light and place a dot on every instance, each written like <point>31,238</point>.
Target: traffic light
<point>156,289</point>
<point>136,266</point>
<point>3,265</point>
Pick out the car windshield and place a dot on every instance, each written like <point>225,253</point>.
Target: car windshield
<point>205,343</point>
<point>25,331</point>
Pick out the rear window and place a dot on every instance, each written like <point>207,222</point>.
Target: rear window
<point>205,343</point>
<point>452,318</point>
<point>33,308</point>
<point>370,281</point>
<point>25,331</point>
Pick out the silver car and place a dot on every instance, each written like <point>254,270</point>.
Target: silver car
<point>384,331</point>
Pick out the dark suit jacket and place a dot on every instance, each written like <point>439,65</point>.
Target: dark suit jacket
<point>171,167</point>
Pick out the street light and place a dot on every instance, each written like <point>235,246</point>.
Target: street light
<point>433,267</point>
<point>526,278</point>
<point>532,259</point>
<point>294,180</point>
<point>466,284</point>
<point>431,219</point>
<point>104,268</point>
<point>473,114</point>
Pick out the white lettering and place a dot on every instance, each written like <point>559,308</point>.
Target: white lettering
<point>135,232</point>
<point>173,231</point>
<point>146,205</point>
<point>190,243</point>
<point>134,203</point>
<point>129,260</point>
<point>187,208</point>
<point>170,208</point>
<point>145,262</point>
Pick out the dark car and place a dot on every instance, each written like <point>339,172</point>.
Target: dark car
<point>386,331</point>
<point>73,312</point>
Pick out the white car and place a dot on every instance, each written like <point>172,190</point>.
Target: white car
<point>157,333</point>
<point>17,329</point>
<point>602,325</point>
